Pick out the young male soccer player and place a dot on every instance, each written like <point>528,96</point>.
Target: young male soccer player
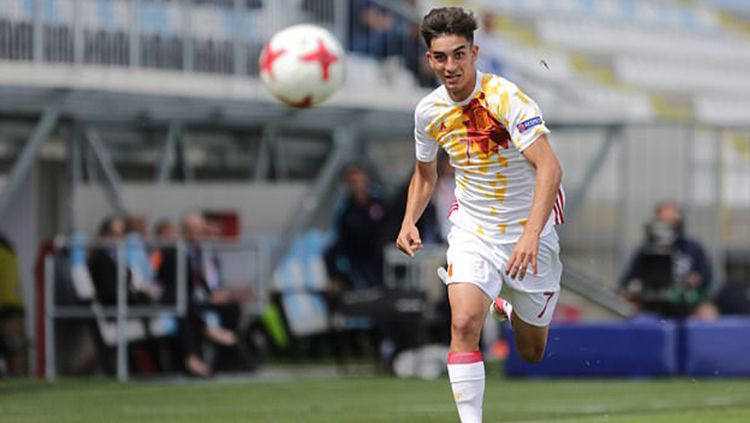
<point>508,199</point>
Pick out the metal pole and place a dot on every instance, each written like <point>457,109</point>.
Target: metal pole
<point>50,370</point>
<point>187,37</point>
<point>122,303</point>
<point>78,40</point>
<point>23,165</point>
<point>688,174</point>
<point>238,32</point>
<point>74,175</point>
<point>166,164</point>
<point>722,211</point>
<point>341,21</point>
<point>38,49</point>
<point>181,278</point>
<point>105,162</point>
<point>187,171</point>
<point>135,34</point>
<point>92,171</point>
<point>623,200</point>
<point>263,161</point>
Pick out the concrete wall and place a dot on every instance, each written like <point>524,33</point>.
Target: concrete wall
<point>263,208</point>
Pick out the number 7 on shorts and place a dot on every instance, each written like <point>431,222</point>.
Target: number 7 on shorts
<point>549,296</point>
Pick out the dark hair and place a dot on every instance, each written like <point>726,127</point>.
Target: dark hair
<point>448,21</point>
<point>105,227</point>
<point>162,225</point>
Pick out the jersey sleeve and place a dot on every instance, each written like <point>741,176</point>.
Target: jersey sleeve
<point>525,121</point>
<point>426,146</point>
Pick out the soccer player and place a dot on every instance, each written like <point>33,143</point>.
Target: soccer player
<point>508,199</point>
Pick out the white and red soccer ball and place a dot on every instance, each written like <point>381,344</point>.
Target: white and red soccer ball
<point>302,65</point>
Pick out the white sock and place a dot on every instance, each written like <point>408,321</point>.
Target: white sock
<point>466,373</point>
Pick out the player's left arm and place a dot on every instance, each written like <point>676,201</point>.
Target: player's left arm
<point>548,177</point>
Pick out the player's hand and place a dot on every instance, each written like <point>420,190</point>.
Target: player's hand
<point>524,254</point>
<point>408,240</point>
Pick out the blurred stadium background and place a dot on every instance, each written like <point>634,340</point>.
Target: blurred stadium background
<point>155,108</point>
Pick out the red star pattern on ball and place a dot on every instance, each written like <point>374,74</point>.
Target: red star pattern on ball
<point>301,104</point>
<point>322,56</point>
<point>269,56</point>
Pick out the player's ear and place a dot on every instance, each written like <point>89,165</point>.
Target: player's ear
<point>474,52</point>
<point>430,59</point>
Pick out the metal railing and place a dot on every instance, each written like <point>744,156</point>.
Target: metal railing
<point>223,37</point>
<point>190,35</point>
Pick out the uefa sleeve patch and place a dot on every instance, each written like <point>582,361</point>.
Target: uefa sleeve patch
<point>529,123</point>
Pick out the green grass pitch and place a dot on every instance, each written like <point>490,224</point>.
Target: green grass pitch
<point>373,400</point>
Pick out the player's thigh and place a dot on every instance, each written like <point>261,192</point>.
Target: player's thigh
<point>534,299</point>
<point>549,266</point>
<point>533,308</point>
<point>470,261</point>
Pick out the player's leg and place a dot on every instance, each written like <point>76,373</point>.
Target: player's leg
<point>531,340</point>
<point>472,283</point>
<point>534,300</point>
<point>469,305</point>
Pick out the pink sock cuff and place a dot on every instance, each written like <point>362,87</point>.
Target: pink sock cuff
<point>464,358</point>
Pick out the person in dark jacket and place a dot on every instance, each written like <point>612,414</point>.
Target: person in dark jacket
<point>212,312</point>
<point>684,261</point>
<point>355,258</point>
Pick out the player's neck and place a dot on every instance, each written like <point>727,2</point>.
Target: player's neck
<point>465,92</point>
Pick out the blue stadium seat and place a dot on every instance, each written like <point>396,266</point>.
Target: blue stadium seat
<point>637,348</point>
<point>717,348</point>
<point>301,278</point>
<point>303,304</point>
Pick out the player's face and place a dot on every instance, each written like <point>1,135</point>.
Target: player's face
<point>453,59</point>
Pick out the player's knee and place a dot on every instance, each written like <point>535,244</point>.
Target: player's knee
<point>465,325</point>
<point>532,353</point>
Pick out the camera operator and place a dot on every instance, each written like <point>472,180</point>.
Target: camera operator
<point>669,274</point>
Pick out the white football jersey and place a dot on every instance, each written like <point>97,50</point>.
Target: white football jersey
<point>484,136</point>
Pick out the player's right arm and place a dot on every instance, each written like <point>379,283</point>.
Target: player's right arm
<point>421,187</point>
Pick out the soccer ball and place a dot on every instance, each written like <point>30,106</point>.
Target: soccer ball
<point>302,65</point>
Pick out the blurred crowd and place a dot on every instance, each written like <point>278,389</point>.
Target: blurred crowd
<point>669,276</point>
<point>214,312</point>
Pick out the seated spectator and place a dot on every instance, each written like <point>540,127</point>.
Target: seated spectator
<point>140,270</point>
<point>12,327</point>
<point>212,312</point>
<point>165,234</point>
<point>102,265</point>
<point>670,273</point>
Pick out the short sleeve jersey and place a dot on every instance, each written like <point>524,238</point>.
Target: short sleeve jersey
<point>484,137</point>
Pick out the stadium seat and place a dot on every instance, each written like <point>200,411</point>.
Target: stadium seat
<point>717,348</point>
<point>638,348</point>
<point>297,278</point>
<point>301,279</point>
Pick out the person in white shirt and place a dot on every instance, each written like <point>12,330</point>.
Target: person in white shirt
<point>508,200</point>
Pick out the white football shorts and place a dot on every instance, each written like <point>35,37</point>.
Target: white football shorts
<point>474,260</point>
